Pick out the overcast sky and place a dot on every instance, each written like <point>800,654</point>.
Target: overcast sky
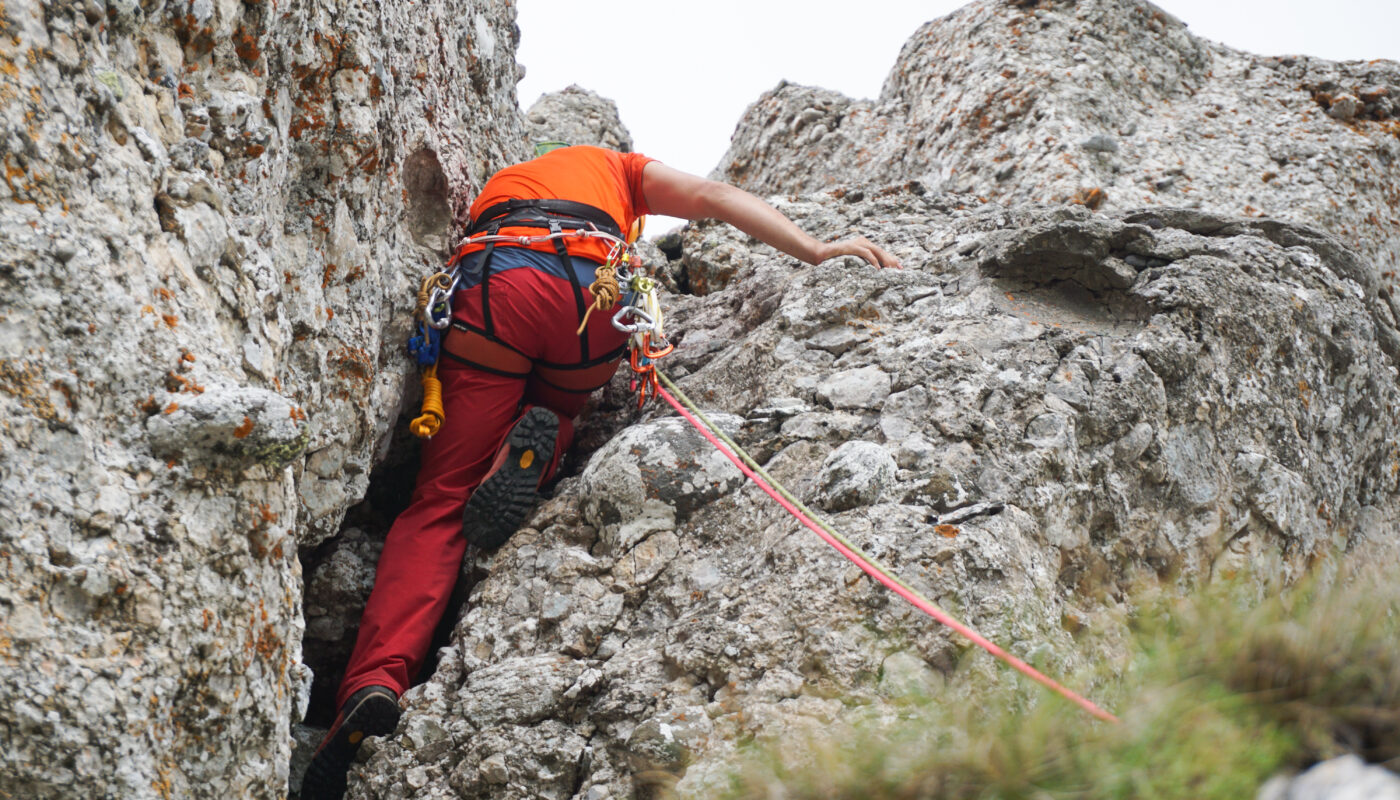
<point>682,73</point>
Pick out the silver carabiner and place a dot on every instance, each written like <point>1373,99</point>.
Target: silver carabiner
<point>442,297</point>
<point>437,297</point>
<point>646,325</point>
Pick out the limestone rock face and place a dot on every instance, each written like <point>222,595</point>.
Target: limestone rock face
<point>1110,103</point>
<point>577,116</point>
<point>1044,406</point>
<point>216,215</point>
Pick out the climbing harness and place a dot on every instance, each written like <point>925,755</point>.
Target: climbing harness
<point>730,450</point>
<point>640,314</point>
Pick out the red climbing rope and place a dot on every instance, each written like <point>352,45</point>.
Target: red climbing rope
<point>884,578</point>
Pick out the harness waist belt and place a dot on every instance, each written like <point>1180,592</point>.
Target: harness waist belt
<point>504,258</point>
<point>540,212</point>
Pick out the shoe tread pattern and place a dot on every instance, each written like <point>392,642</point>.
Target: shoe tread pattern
<point>502,502</point>
<point>375,714</point>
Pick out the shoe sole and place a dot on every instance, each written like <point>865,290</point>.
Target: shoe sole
<point>502,502</point>
<point>375,715</point>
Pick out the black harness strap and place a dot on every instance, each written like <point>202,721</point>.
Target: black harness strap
<point>513,212</point>
<point>493,370</point>
<point>615,354</point>
<point>486,286</point>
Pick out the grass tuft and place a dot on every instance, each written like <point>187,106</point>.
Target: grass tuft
<point>1223,690</point>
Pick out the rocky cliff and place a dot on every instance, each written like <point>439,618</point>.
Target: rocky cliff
<point>577,116</point>
<point>1111,104</point>
<point>1162,394</point>
<point>1059,398</point>
<point>1110,359</point>
<point>216,214</point>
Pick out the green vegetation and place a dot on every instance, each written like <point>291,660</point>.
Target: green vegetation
<point>1222,691</point>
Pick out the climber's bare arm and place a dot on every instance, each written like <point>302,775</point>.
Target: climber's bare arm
<point>679,194</point>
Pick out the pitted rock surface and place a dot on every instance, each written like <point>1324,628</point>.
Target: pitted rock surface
<point>217,214</point>
<point>1109,103</point>
<point>575,115</point>
<point>1043,407</point>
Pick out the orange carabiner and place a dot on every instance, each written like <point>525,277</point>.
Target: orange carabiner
<point>644,379</point>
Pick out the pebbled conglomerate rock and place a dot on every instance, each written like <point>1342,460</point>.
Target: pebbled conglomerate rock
<point>1107,103</point>
<point>575,115</point>
<point>214,217</point>
<point>1045,407</point>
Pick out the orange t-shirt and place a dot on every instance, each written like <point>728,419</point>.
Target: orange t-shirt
<point>597,176</point>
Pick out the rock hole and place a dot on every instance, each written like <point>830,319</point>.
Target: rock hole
<point>429,208</point>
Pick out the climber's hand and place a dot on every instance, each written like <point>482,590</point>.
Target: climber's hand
<point>861,247</point>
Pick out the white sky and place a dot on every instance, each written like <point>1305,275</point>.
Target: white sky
<point>682,73</point>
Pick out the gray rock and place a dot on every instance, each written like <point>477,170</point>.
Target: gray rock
<point>654,476</point>
<point>577,116</point>
<point>1099,143</point>
<point>859,388</point>
<point>1017,105</point>
<point>1344,107</point>
<point>244,423</point>
<point>209,265</point>
<point>1343,778</point>
<point>855,474</point>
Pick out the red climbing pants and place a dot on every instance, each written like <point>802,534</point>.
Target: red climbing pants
<point>536,314</point>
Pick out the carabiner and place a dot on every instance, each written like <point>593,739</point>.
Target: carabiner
<point>646,323</point>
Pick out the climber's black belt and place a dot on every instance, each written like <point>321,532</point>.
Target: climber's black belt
<point>538,213</point>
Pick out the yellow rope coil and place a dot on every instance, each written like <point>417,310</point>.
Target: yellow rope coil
<point>425,426</point>
<point>605,292</point>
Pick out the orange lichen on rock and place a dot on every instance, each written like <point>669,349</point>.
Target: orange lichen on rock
<point>1090,198</point>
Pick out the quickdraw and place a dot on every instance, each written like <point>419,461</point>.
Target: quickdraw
<point>649,343</point>
<point>434,314</point>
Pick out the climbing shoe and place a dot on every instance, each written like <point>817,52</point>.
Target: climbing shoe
<point>372,711</point>
<point>502,501</point>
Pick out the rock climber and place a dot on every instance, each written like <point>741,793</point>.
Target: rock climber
<point>515,372</point>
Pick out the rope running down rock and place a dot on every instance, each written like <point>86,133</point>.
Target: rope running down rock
<point>852,553</point>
